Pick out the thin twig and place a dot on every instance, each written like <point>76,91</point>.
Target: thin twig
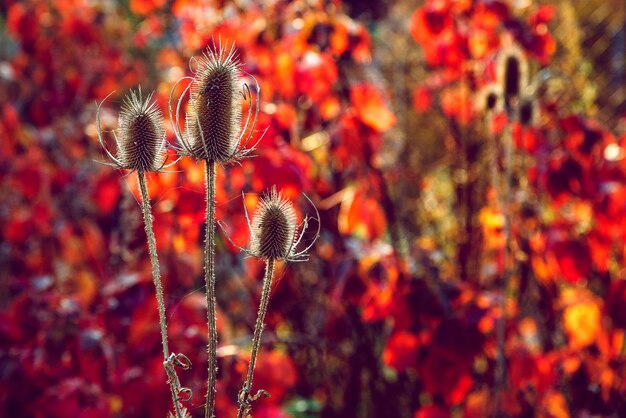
<point>156,277</point>
<point>209,279</point>
<point>244,395</point>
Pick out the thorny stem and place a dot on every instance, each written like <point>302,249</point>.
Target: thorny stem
<point>244,395</point>
<point>209,279</point>
<point>156,277</point>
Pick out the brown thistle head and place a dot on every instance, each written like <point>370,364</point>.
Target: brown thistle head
<point>274,234</point>
<point>214,109</point>
<point>273,227</point>
<point>213,119</point>
<point>140,137</point>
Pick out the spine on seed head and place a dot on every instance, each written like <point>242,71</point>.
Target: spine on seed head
<point>141,139</point>
<point>213,120</point>
<point>273,227</point>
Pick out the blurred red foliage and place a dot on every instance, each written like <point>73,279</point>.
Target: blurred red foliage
<point>372,322</point>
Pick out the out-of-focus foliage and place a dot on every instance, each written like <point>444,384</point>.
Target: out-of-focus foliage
<point>373,112</point>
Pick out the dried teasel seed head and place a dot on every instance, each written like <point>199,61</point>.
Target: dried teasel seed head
<point>512,73</point>
<point>273,227</point>
<point>141,138</point>
<point>213,119</point>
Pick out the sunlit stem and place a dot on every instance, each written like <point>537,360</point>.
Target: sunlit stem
<point>244,395</point>
<point>209,279</point>
<point>156,277</point>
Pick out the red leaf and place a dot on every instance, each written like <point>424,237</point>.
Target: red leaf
<point>431,412</point>
<point>573,259</point>
<point>106,191</point>
<point>447,368</point>
<point>543,14</point>
<point>144,327</point>
<point>430,22</point>
<point>316,75</point>
<point>276,373</point>
<point>422,99</point>
<point>401,351</point>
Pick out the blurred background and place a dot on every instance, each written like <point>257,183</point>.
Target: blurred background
<point>471,258</point>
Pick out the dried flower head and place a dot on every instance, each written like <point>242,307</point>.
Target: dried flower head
<point>274,231</point>
<point>512,73</point>
<point>213,117</point>
<point>140,137</point>
<point>274,226</point>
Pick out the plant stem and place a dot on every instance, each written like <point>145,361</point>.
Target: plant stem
<point>508,269</point>
<point>156,277</point>
<point>209,279</point>
<point>244,403</point>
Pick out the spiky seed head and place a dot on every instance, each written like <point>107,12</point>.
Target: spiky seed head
<point>273,227</point>
<point>141,138</point>
<point>512,73</point>
<point>213,120</point>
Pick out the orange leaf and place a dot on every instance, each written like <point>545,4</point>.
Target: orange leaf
<point>456,103</point>
<point>145,7</point>
<point>362,215</point>
<point>554,405</point>
<point>371,108</point>
<point>285,73</point>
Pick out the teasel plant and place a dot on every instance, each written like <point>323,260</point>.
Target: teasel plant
<point>215,132</point>
<point>515,94</point>
<point>141,148</point>
<point>274,236</point>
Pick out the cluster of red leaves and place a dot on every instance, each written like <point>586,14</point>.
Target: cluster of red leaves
<point>564,329</point>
